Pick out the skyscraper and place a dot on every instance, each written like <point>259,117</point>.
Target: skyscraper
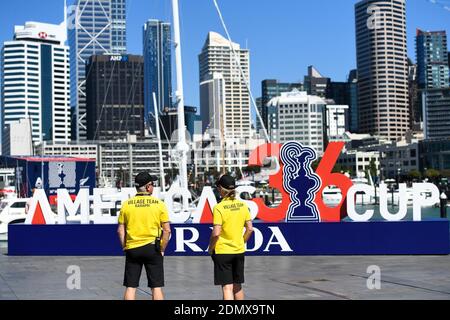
<point>353,117</point>
<point>36,81</point>
<point>119,26</point>
<point>415,108</point>
<point>382,67</point>
<point>301,118</point>
<point>316,84</point>
<point>432,59</point>
<point>436,113</point>
<point>169,122</point>
<point>217,56</point>
<point>158,71</point>
<point>433,80</point>
<point>212,101</point>
<point>94,27</point>
<point>269,113</point>
<point>115,91</point>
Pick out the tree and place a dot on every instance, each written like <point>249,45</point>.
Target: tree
<point>373,170</point>
<point>338,168</point>
<point>432,174</point>
<point>350,170</point>
<point>445,173</point>
<point>250,169</point>
<point>414,175</point>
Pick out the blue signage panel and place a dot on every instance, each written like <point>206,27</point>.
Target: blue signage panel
<point>347,238</point>
<point>70,175</point>
<point>51,174</point>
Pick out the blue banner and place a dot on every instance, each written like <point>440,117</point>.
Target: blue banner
<point>346,238</point>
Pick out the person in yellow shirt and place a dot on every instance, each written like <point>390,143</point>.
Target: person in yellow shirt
<point>140,222</point>
<point>227,243</point>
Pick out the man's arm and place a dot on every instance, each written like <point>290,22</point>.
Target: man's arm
<point>122,233</point>
<point>248,230</point>
<point>165,236</point>
<point>215,234</point>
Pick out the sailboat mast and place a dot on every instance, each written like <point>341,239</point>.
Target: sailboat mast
<point>158,136</point>
<point>182,147</point>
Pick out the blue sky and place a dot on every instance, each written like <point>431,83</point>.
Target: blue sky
<point>284,36</point>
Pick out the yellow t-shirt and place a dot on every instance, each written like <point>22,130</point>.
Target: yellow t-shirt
<point>231,215</point>
<point>142,217</point>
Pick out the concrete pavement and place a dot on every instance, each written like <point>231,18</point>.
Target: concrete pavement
<point>191,278</point>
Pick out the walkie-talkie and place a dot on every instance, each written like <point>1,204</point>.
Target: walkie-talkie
<point>158,242</point>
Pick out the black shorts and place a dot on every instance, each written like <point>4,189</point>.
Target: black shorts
<point>152,260</point>
<point>228,269</point>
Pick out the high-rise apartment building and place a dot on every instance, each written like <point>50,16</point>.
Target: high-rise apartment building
<point>433,75</point>
<point>158,71</point>
<point>436,113</point>
<point>432,59</point>
<point>217,57</point>
<point>382,67</point>
<point>115,91</point>
<point>36,81</point>
<point>95,27</point>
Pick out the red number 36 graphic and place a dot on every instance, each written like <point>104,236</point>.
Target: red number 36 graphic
<point>324,170</point>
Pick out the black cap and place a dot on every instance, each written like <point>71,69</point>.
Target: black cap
<point>227,182</point>
<point>143,179</point>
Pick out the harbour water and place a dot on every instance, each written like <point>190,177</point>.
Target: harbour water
<point>427,213</point>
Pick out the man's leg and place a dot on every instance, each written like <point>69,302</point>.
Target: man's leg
<point>227,291</point>
<point>157,294</point>
<point>130,294</point>
<point>238,292</point>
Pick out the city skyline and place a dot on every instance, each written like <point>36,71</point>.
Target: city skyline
<point>99,30</point>
<point>288,60</point>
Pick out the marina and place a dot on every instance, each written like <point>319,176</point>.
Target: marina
<point>342,186</point>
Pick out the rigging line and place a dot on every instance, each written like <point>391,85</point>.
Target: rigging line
<point>164,130</point>
<point>247,84</point>
<point>127,12</point>
<point>131,95</point>
<point>127,110</point>
<point>112,73</point>
<point>101,110</point>
<point>443,4</point>
<point>167,138</point>
<point>105,52</point>
<point>104,100</point>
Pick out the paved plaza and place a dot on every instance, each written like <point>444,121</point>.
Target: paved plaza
<point>191,278</point>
